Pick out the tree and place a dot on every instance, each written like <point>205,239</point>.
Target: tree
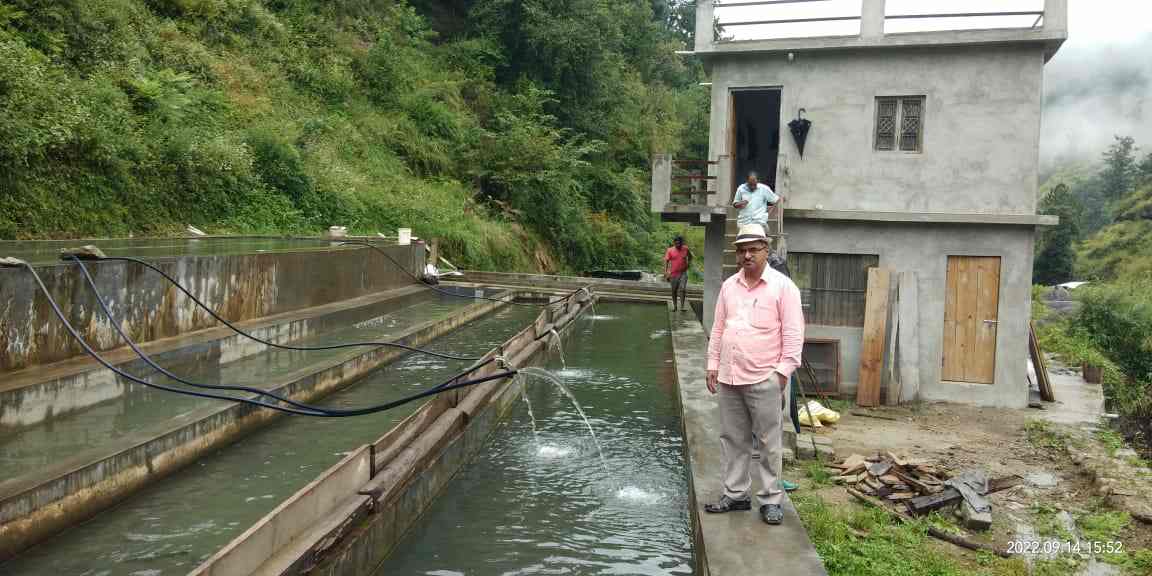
<point>1119,171</point>
<point>1144,171</point>
<point>1055,259</point>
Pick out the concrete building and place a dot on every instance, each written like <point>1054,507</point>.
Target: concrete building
<point>921,158</point>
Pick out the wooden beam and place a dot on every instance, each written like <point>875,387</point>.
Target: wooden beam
<point>891,380</point>
<point>908,343</point>
<point>1040,365</point>
<point>872,349</point>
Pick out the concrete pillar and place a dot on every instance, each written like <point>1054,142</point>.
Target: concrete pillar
<point>713,266</point>
<point>725,188</point>
<point>1056,15</point>
<point>872,19</point>
<point>705,14</point>
<point>661,181</point>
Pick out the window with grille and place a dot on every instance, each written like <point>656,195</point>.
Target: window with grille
<point>832,286</point>
<point>900,123</point>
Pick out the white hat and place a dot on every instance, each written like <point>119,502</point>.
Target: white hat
<point>750,233</point>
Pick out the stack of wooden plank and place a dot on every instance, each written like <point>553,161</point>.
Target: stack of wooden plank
<point>912,487</point>
<point>890,477</point>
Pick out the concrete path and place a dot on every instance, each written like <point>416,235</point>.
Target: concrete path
<point>737,543</point>
<point>1078,403</point>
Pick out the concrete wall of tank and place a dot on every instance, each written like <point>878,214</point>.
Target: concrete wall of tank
<point>239,287</point>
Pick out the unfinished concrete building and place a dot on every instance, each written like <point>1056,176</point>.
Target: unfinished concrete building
<point>921,157</point>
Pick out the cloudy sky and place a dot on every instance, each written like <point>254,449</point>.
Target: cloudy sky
<point>1098,85</point>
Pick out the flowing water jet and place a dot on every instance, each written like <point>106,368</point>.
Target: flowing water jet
<point>531,415</point>
<point>546,375</point>
<point>559,347</point>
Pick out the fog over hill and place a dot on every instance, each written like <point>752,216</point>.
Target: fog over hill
<point>1093,92</point>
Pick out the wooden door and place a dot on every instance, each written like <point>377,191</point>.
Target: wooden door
<point>971,319</point>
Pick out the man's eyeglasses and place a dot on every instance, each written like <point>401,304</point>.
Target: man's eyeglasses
<point>751,250</point>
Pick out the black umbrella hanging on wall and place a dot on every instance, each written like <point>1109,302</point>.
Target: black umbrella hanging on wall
<point>799,128</point>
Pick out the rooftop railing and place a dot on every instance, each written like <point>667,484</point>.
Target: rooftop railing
<point>741,20</point>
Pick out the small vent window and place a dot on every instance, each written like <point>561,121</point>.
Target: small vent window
<point>900,123</point>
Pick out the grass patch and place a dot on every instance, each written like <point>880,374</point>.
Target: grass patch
<point>1111,439</point>
<point>818,474</point>
<point>1139,562</point>
<point>1047,522</point>
<point>1041,434</point>
<point>944,523</point>
<point>1062,566</point>
<point>1103,526</point>
<point>857,541</point>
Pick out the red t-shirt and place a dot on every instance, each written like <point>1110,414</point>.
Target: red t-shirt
<point>678,258</point>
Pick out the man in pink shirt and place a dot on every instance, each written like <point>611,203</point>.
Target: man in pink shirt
<point>757,337</point>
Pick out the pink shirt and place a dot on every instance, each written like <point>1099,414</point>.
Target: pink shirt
<point>758,330</point>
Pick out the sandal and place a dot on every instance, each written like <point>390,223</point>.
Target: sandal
<point>772,514</point>
<point>727,504</point>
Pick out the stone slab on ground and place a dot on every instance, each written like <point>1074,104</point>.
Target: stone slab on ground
<point>737,543</point>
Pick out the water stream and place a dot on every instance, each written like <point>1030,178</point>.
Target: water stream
<point>559,349</point>
<point>540,504</point>
<point>531,416</point>
<point>556,380</point>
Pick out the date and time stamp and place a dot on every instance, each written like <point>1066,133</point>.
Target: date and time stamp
<point>1054,547</point>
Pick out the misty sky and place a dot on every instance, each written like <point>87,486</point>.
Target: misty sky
<point>1098,84</point>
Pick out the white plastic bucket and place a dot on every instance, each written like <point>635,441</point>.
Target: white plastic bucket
<point>404,236</point>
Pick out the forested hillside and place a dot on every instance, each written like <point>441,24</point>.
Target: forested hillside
<point>1105,209</point>
<point>518,131</point>
<point>1105,236</point>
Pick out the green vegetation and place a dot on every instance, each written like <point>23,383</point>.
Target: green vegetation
<point>1042,435</point>
<point>817,473</point>
<point>856,541</point>
<point>517,131</point>
<point>1056,258</point>
<point>1111,440</point>
<point>1103,526</point>
<point>1046,519</point>
<point>1105,236</point>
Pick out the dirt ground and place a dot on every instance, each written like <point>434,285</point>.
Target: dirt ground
<point>960,437</point>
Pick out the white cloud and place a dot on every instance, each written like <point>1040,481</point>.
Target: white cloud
<point>1100,83</point>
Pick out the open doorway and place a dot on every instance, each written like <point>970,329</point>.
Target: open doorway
<point>756,138</point>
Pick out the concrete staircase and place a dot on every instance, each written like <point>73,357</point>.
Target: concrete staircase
<point>775,231</point>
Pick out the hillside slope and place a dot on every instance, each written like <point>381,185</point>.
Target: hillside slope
<point>520,139</point>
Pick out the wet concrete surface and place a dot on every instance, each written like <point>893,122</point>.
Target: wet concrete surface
<point>737,543</point>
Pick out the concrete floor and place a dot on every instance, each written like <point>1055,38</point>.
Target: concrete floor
<point>737,543</point>
<point>1078,403</point>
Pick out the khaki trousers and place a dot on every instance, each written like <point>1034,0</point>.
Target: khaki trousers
<point>747,413</point>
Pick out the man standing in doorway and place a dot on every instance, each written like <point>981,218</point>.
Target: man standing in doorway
<point>757,337</point>
<point>677,259</point>
<point>753,200</point>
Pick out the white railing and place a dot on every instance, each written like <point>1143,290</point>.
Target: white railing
<point>739,20</point>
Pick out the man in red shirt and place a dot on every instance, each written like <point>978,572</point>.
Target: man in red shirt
<point>676,261</point>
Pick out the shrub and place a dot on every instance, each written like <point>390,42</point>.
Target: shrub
<point>1118,319</point>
